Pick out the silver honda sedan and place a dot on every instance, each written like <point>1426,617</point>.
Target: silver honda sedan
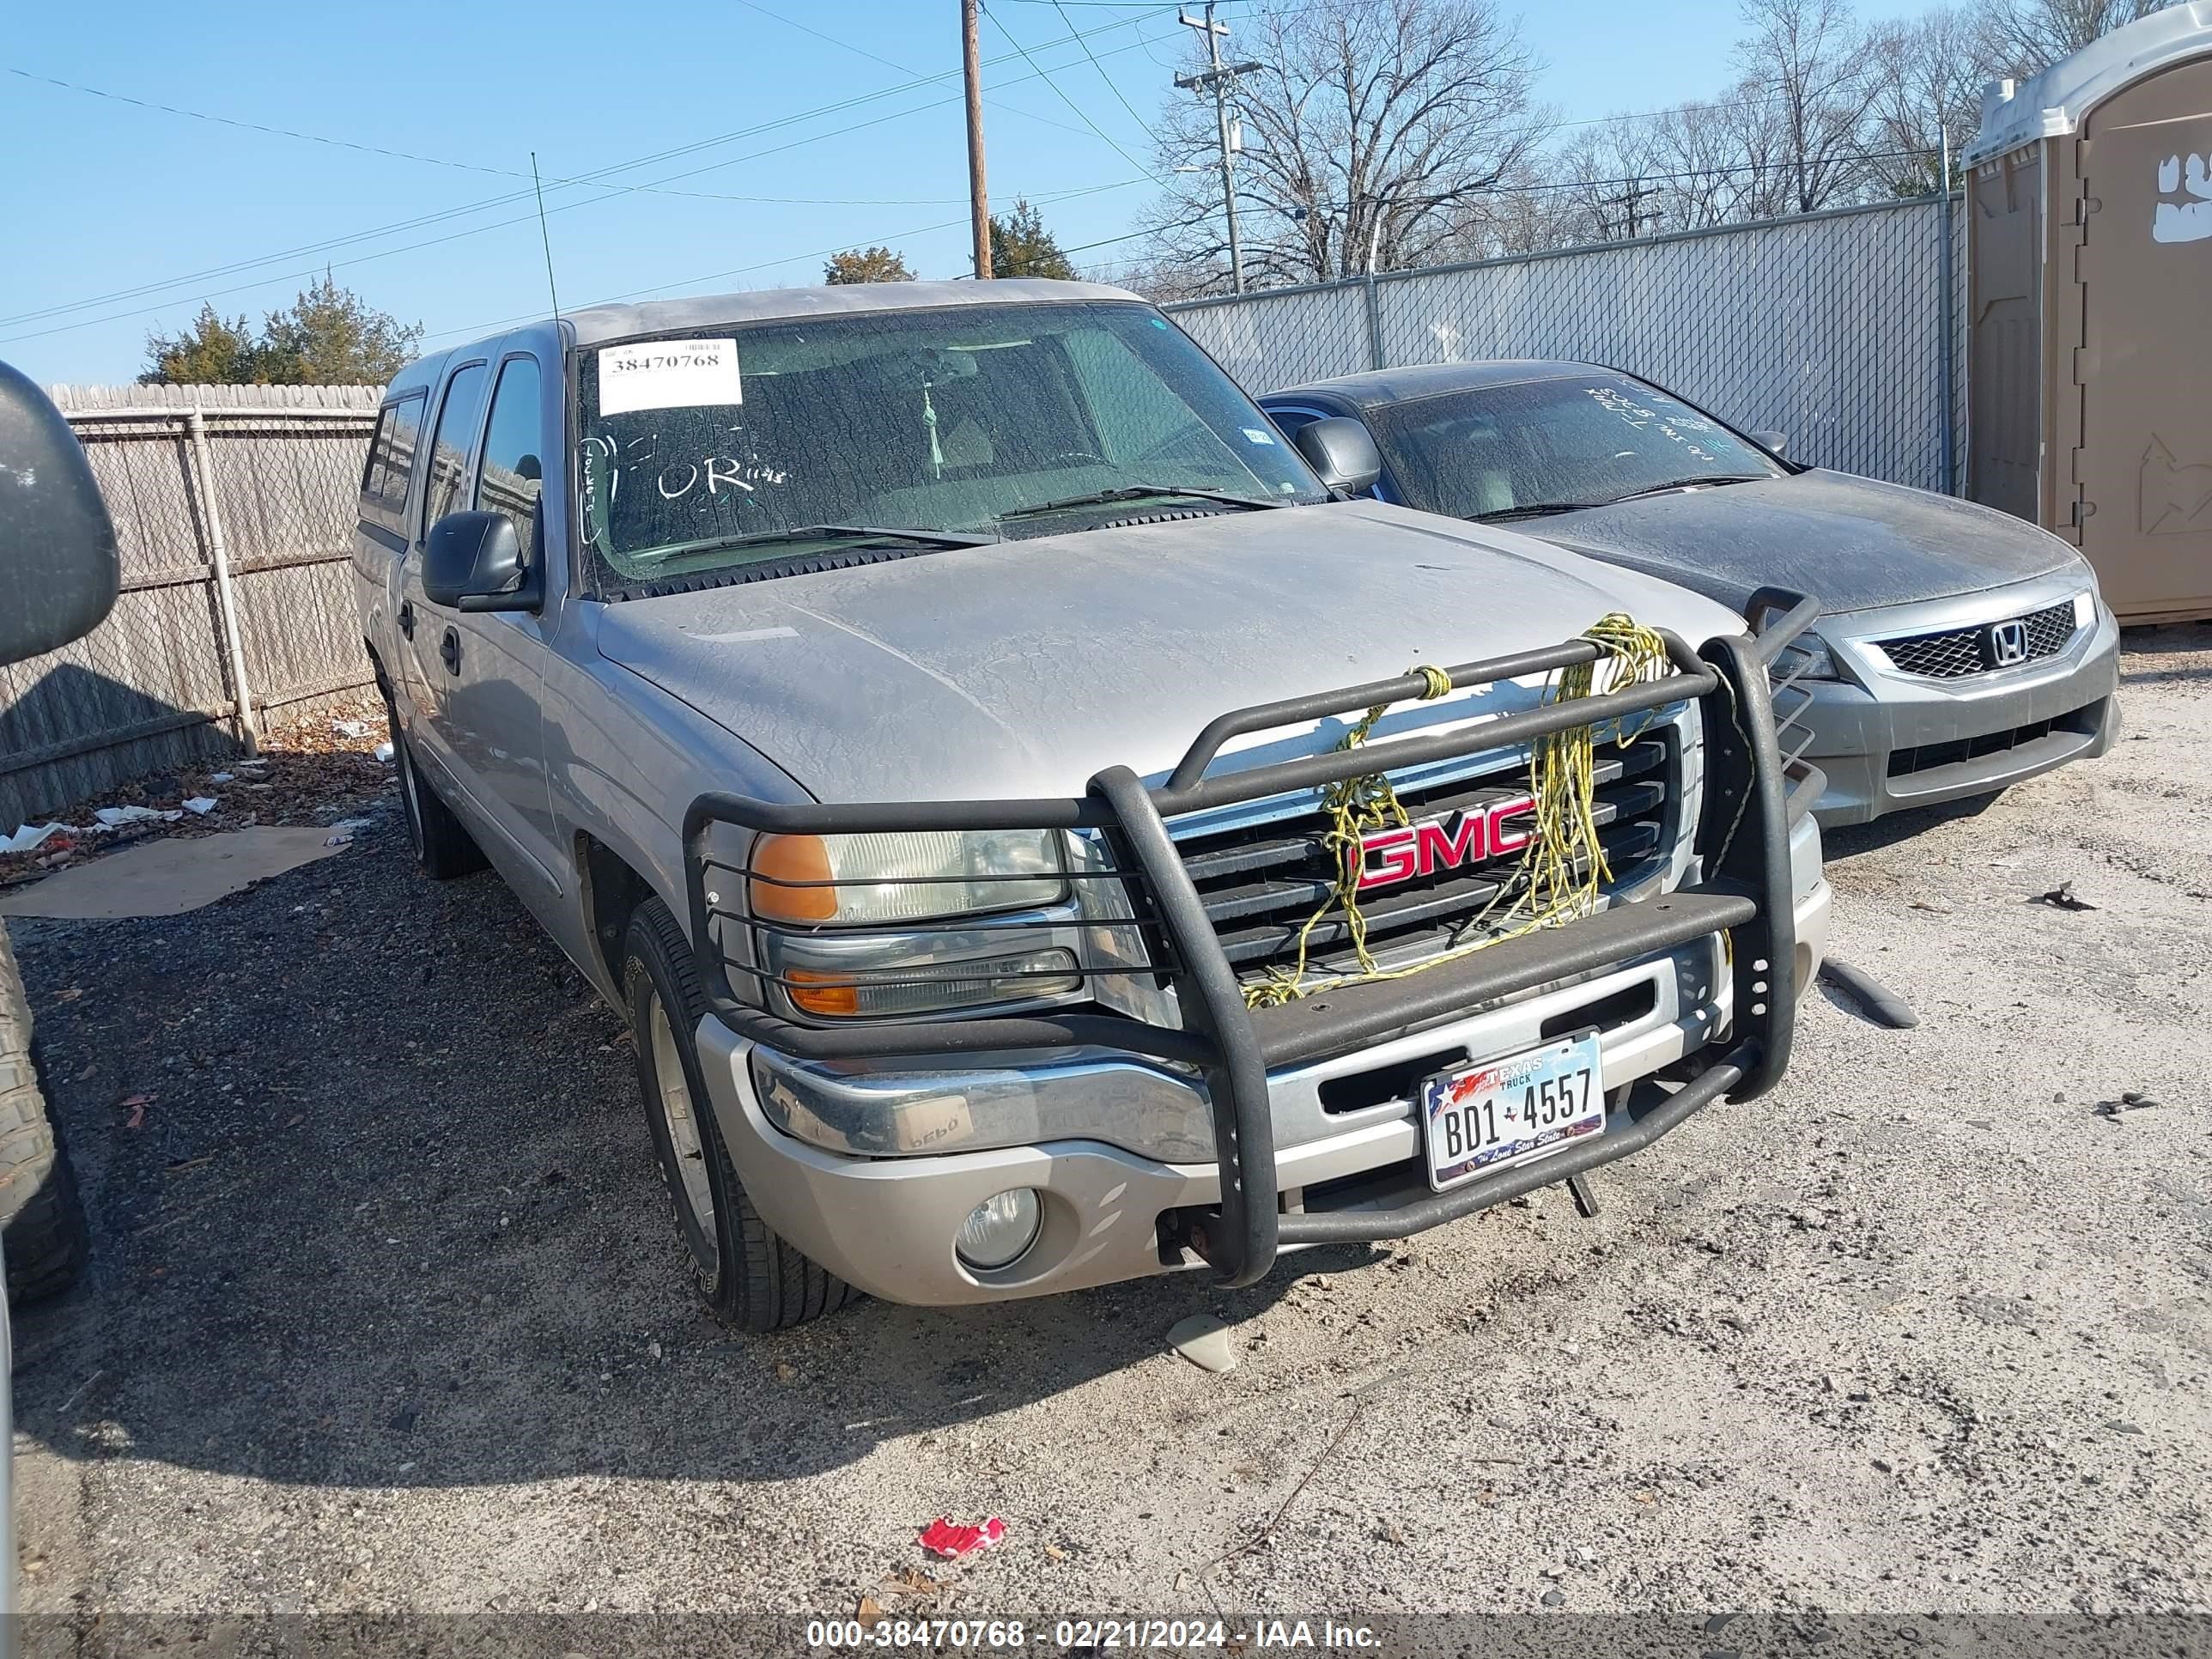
<point>1958,650</point>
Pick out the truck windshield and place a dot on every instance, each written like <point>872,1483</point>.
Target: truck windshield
<point>1551,446</point>
<point>726,446</point>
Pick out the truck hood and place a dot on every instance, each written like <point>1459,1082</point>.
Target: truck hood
<point>1023,667</point>
<point>1853,544</point>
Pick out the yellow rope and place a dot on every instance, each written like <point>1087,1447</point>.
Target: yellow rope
<point>1562,871</point>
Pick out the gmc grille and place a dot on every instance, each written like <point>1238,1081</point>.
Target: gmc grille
<point>1956,652</point>
<point>1261,884</point>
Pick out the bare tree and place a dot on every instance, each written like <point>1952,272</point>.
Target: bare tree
<point>1932,73</point>
<point>1815,63</point>
<point>1369,127</point>
<point>2020,36</point>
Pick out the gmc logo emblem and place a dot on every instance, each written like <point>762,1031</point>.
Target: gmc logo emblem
<point>1388,857</point>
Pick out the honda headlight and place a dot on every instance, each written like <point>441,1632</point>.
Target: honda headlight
<point>849,881</point>
<point>1806,657</point>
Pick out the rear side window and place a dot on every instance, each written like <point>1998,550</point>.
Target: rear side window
<point>514,471</point>
<point>449,450</point>
<point>391,470</point>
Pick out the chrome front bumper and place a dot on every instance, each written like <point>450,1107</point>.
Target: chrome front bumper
<point>1888,740</point>
<point>870,1169</point>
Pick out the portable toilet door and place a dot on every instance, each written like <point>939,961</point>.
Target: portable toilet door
<point>2116,167</point>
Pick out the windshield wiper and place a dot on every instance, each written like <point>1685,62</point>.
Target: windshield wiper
<point>1540,509</point>
<point>1133,493</point>
<point>1688,483</point>
<point>814,532</point>
<point>1534,510</point>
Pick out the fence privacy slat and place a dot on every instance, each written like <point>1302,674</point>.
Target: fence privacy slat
<point>1832,327</point>
<point>149,689</point>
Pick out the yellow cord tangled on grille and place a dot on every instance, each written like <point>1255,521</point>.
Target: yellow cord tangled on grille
<point>1562,869</point>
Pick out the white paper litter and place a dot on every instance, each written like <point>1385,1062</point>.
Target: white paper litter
<point>383,752</point>
<point>28,836</point>
<point>218,777</point>
<point>202,805</point>
<point>348,826</point>
<point>116,816</point>
<point>351,728</point>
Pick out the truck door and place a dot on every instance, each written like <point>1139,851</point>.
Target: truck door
<point>422,625</point>
<point>496,669</point>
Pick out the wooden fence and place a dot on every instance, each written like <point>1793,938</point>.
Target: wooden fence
<point>235,509</point>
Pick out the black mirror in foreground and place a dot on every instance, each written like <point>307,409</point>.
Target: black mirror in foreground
<point>1339,449</point>
<point>58,571</point>
<point>473,561</point>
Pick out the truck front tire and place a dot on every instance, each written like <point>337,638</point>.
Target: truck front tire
<point>748,1275</point>
<point>42,1229</point>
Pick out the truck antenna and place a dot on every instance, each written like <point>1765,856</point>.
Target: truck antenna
<point>545,236</point>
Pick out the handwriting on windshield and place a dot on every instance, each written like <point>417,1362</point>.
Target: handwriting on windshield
<point>1677,427</point>
<point>673,478</point>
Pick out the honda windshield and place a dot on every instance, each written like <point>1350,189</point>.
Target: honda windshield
<point>721,448</point>
<point>1534,447</point>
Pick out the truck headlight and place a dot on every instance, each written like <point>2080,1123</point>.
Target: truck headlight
<point>868,926</point>
<point>833,881</point>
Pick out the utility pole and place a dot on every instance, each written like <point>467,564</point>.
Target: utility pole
<point>979,201</point>
<point>1631,198</point>
<point>1216,79</point>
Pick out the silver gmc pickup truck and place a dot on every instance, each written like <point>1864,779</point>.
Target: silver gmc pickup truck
<point>1039,831</point>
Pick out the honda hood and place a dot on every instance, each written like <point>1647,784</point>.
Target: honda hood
<point>1021,668</point>
<point>1853,544</point>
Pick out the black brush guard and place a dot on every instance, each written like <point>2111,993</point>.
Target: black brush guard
<point>1744,827</point>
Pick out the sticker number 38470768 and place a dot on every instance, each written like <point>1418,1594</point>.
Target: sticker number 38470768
<point>669,374</point>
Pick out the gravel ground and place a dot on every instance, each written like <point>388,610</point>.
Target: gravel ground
<point>384,1313</point>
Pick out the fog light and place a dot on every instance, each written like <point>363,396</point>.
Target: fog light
<point>999,1229</point>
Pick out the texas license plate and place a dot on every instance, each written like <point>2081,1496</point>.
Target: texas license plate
<point>1497,1112</point>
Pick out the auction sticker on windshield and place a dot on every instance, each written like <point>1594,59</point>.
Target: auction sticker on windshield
<point>668,374</point>
<point>1479,1119</point>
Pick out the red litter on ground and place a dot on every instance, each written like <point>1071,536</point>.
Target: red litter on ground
<point>941,1537</point>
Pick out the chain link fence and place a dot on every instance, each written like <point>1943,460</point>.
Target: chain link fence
<point>235,509</point>
<point>1838,329</point>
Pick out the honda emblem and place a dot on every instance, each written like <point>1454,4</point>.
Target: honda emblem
<point>2007,643</point>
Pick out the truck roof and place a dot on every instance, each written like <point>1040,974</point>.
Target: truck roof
<point>595,323</point>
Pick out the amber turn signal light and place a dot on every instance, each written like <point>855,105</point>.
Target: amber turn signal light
<point>781,864</point>
<point>822,994</point>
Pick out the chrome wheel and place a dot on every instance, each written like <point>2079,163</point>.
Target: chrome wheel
<point>686,1144</point>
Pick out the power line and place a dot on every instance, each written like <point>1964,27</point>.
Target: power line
<point>1143,125</point>
<point>472,329</point>
<point>1062,95</point>
<point>598,177</point>
<point>878,58</point>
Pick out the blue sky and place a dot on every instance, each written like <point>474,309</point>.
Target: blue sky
<point>146,212</point>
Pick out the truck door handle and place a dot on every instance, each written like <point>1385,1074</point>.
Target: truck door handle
<point>407,618</point>
<point>449,647</point>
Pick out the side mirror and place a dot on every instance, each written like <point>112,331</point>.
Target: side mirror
<point>1776,441</point>
<point>1339,449</point>
<point>57,563</point>
<point>473,561</point>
